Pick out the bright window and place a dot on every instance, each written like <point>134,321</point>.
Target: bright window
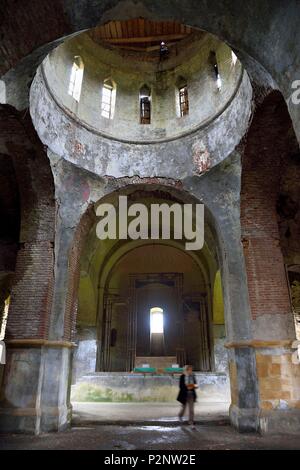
<point>183,101</point>
<point>145,105</point>
<point>4,318</point>
<point>214,62</point>
<point>108,100</point>
<point>233,58</point>
<point>76,78</point>
<point>156,320</point>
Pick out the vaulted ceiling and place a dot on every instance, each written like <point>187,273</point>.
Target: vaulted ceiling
<point>141,34</point>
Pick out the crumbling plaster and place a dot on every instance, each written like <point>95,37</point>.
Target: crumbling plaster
<point>175,159</point>
<point>191,64</point>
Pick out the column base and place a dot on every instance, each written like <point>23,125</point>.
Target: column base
<point>36,389</point>
<point>32,421</point>
<point>265,421</point>
<point>244,419</point>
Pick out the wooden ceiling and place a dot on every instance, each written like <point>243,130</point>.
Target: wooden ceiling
<point>140,34</point>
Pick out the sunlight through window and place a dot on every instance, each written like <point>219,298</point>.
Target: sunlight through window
<point>233,58</point>
<point>76,78</point>
<point>108,99</point>
<point>4,318</point>
<point>156,320</point>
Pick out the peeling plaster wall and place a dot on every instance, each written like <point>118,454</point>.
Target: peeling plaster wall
<point>176,159</point>
<point>218,188</point>
<point>268,40</point>
<point>84,356</point>
<point>114,387</point>
<point>269,32</point>
<point>191,64</point>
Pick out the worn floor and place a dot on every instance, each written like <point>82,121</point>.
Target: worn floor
<point>147,426</point>
<point>144,413</point>
<point>173,437</point>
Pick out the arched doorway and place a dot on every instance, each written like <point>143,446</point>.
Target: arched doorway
<point>129,273</point>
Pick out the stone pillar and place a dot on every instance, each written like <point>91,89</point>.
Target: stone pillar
<point>36,373</point>
<point>35,370</point>
<point>219,190</point>
<point>35,392</point>
<point>265,384</point>
<point>84,357</point>
<point>244,408</point>
<point>33,395</point>
<point>273,330</point>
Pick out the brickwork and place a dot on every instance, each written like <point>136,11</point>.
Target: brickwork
<point>82,230</point>
<point>32,292</point>
<point>36,22</point>
<point>264,158</point>
<point>269,145</point>
<point>32,285</point>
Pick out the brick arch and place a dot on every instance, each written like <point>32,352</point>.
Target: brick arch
<point>169,191</point>
<point>83,228</point>
<point>243,376</point>
<point>85,225</point>
<point>9,228</point>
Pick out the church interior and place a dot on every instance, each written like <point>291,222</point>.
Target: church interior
<point>165,103</point>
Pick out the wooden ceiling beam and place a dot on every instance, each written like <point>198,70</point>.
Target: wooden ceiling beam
<point>156,48</point>
<point>145,48</point>
<point>134,40</point>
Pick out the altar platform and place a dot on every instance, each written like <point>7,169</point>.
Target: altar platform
<point>157,365</point>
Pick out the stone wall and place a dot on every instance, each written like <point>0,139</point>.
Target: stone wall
<point>191,65</point>
<point>220,353</point>
<point>279,380</point>
<point>272,43</point>
<point>85,353</point>
<point>114,387</point>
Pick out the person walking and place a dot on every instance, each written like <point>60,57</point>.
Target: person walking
<point>187,395</point>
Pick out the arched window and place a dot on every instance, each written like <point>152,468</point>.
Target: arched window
<point>3,318</point>
<point>183,100</point>
<point>2,353</point>
<point>214,63</point>
<point>233,58</point>
<point>145,105</point>
<point>76,78</point>
<point>2,92</point>
<point>108,99</point>
<point>156,320</point>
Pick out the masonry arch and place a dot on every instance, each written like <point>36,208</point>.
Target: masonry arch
<point>252,41</point>
<point>253,406</point>
<point>121,250</point>
<point>163,247</point>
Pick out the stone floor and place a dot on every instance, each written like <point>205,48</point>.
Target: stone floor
<point>144,413</point>
<point>147,426</point>
<point>173,437</point>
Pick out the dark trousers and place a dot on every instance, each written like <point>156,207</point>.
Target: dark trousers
<point>190,403</point>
